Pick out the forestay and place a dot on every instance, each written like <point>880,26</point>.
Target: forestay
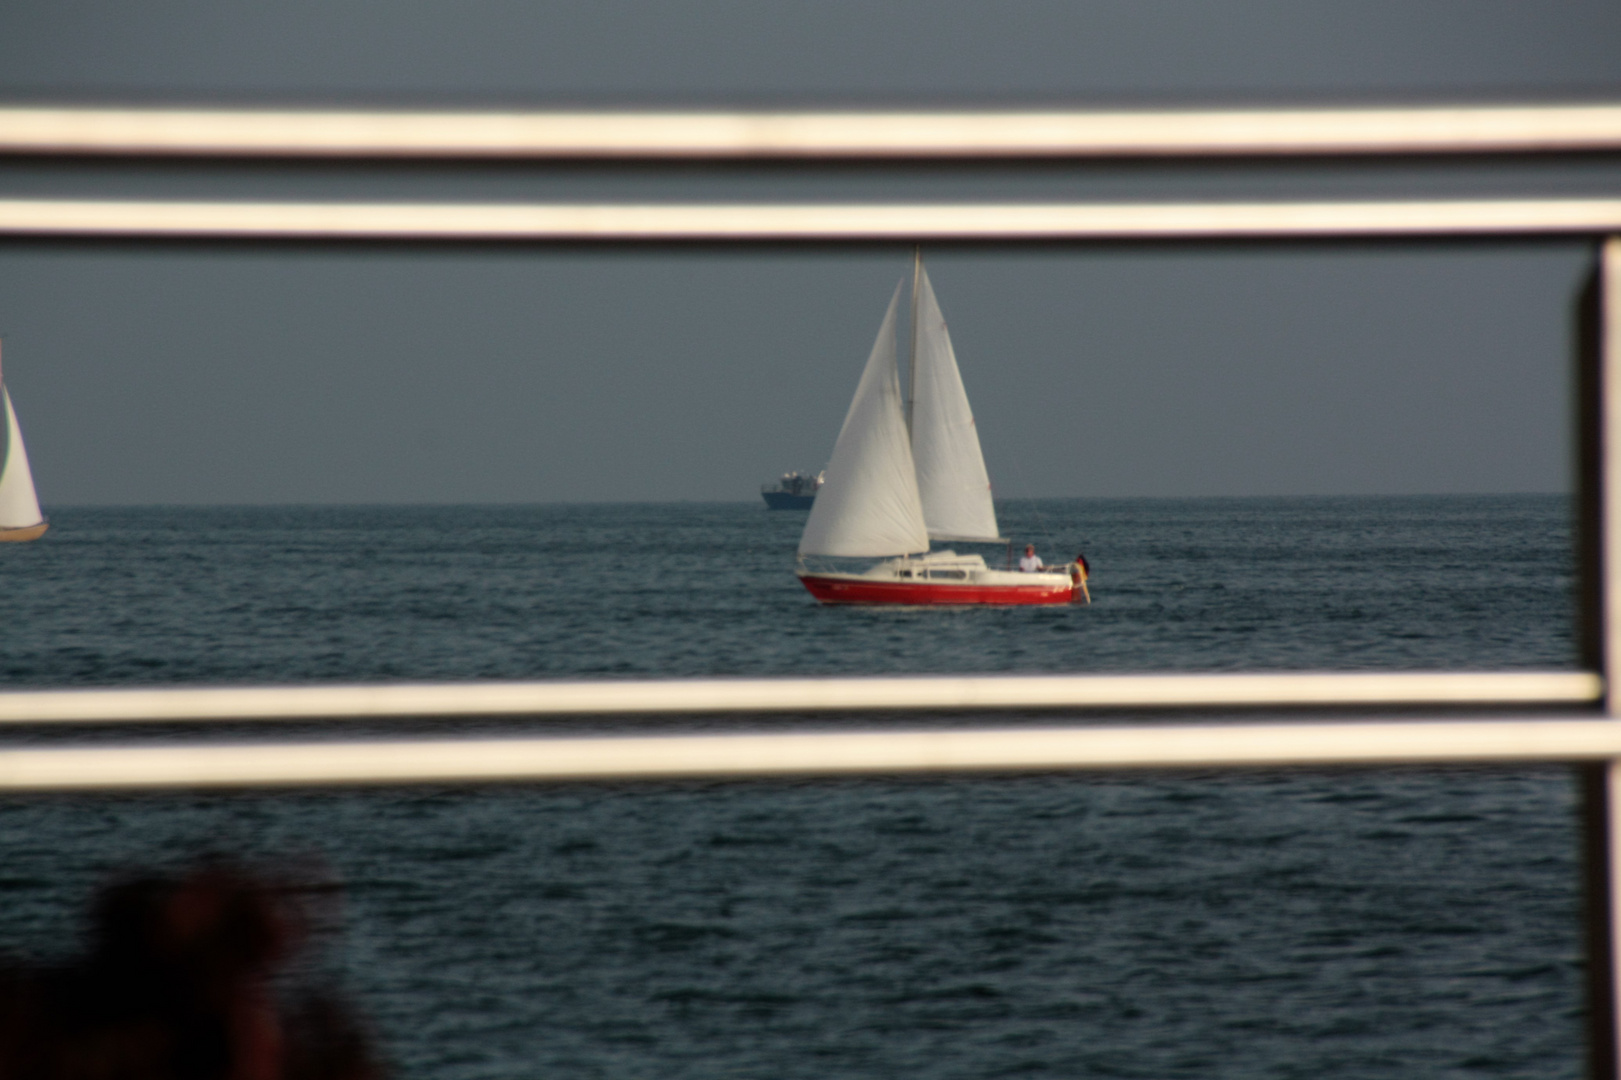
<point>869,504</point>
<point>951,476</point>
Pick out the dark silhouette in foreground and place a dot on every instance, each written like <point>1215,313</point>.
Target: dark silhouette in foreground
<point>179,983</point>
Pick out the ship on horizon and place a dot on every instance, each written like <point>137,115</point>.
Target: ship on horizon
<point>793,491</point>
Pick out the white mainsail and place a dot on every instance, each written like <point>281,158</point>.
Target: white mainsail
<point>19,506</point>
<point>869,504</point>
<point>951,477</point>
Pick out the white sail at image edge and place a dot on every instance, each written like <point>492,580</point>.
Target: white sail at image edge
<point>19,505</point>
<point>869,504</point>
<point>951,476</point>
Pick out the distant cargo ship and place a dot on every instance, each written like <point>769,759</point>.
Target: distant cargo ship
<point>795,491</point>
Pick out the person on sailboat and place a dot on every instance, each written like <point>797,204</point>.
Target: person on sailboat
<point>1031,561</point>
<point>1079,571</point>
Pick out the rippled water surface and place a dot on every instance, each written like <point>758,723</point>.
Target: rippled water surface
<point>291,595</point>
<point>1362,924</point>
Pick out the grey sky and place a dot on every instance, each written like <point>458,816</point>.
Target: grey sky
<point>523,50</point>
<point>214,375</point>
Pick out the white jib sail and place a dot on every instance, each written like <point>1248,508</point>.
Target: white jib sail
<point>868,505</point>
<point>951,477</point>
<point>19,506</point>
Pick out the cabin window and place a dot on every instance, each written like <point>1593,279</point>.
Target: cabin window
<point>950,575</point>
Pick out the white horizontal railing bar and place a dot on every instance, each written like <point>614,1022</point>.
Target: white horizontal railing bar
<point>452,761</point>
<point>987,134</point>
<point>730,223</point>
<point>809,695</point>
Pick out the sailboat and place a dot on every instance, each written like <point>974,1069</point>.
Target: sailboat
<point>20,518</point>
<point>904,474</point>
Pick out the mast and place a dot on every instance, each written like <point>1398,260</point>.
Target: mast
<point>911,359</point>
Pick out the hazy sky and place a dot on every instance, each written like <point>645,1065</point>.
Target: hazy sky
<point>218,374</point>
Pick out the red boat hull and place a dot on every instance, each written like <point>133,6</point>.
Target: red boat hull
<point>831,590</point>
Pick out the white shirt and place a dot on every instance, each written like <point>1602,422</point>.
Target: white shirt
<point>1030,564</point>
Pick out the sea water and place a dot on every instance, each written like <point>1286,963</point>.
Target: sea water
<point>1409,922</point>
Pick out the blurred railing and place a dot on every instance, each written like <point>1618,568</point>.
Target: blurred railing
<point>1556,717</point>
<point>1517,689</point>
<point>816,136</point>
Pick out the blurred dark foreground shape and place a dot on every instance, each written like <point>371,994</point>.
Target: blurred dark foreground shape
<point>182,981</point>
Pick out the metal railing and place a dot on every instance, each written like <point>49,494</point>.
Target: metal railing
<point>913,134</point>
<point>1521,689</point>
<point>788,223</point>
<point>1550,725</point>
<point>695,756</point>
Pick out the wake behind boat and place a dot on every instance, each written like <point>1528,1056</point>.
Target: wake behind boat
<point>20,518</point>
<point>903,475</point>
